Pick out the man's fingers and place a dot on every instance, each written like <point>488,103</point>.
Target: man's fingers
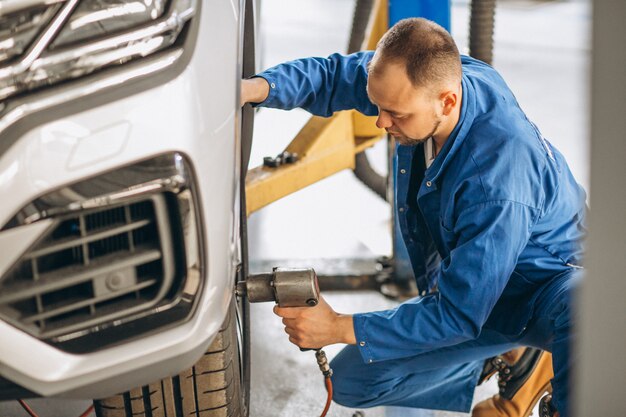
<point>291,326</point>
<point>284,312</point>
<point>289,312</point>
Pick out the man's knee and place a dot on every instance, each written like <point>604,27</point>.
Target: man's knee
<point>348,395</point>
<point>557,301</point>
<point>348,399</point>
<point>349,387</point>
<point>345,388</point>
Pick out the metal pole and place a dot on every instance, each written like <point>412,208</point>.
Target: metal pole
<point>439,12</point>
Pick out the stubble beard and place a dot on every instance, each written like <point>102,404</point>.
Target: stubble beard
<point>406,141</point>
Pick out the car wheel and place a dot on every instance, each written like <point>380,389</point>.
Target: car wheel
<point>213,387</point>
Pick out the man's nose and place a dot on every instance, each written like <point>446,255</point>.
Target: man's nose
<point>383,121</point>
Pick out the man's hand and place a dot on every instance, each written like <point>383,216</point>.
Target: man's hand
<point>316,327</point>
<point>254,90</point>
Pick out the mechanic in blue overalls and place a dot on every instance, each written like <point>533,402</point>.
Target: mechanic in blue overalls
<point>495,200</point>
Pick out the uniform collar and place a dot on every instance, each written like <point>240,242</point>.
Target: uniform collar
<point>456,138</point>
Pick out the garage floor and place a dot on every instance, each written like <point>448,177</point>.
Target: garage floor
<point>542,50</point>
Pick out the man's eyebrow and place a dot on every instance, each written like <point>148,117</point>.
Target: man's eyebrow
<point>393,112</point>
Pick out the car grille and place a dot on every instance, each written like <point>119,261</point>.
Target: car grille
<point>91,268</point>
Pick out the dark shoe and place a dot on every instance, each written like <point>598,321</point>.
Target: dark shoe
<point>500,362</point>
<point>522,382</point>
<point>546,409</point>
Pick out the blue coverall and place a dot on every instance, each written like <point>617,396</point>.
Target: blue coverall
<point>493,228</point>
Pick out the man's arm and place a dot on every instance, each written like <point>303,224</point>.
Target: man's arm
<point>321,86</point>
<point>490,237</point>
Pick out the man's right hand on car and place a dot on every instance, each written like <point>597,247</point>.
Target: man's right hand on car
<point>254,90</point>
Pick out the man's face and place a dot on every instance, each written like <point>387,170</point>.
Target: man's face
<point>410,114</point>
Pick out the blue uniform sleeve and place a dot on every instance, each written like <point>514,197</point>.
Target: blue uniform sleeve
<point>321,86</point>
<point>487,239</point>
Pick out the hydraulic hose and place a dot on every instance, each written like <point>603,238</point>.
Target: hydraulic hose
<point>364,171</point>
<point>482,22</point>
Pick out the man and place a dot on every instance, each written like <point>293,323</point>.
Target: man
<point>477,185</point>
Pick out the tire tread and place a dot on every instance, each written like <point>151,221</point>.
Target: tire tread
<point>210,388</point>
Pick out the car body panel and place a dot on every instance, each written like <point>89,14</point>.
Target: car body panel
<point>196,114</point>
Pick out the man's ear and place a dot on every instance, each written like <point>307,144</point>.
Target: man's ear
<point>449,100</point>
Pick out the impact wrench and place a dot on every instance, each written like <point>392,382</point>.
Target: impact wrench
<point>289,287</point>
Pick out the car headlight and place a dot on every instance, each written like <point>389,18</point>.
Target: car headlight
<point>43,42</point>
<point>18,29</point>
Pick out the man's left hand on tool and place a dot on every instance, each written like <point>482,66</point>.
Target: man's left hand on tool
<point>316,327</point>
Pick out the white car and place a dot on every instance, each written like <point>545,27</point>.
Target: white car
<point>120,160</point>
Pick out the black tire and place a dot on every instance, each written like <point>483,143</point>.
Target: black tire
<point>363,170</point>
<point>211,388</point>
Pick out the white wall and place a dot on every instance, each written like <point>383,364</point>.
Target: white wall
<point>602,309</point>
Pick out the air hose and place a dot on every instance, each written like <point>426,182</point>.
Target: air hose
<point>322,362</point>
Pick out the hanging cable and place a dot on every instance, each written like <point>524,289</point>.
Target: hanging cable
<point>32,413</point>
<point>87,411</point>
<point>27,408</point>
